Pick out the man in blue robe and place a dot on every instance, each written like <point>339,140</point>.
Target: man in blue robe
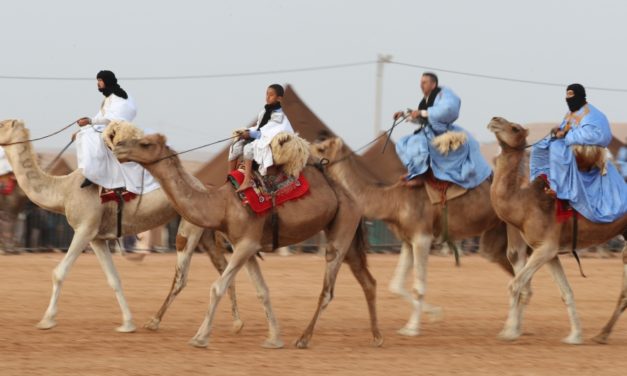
<point>599,193</point>
<point>463,165</point>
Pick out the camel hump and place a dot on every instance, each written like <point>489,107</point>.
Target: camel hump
<point>290,151</point>
<point>449,141</point>
<point>120,130</point>
<point>588,156</point>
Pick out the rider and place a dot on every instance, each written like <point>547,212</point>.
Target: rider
<point>436,113</point>
<point>254,143</point>
<point>599,194</point>
<point>97,162</point>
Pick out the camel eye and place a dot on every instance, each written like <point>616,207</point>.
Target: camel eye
<point>516,130</point>
<point>144,144</point>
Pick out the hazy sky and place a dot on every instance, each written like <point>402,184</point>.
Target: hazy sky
<point>544,40</point>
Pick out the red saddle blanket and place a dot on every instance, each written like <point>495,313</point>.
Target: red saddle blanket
<point>259,196</point>
<point>109,195</point>
<point>7,184</point>
<point>563,210</point>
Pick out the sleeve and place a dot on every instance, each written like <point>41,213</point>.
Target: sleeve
<point>254,133</point>
<point>586,134</point>
<point>444,112</point>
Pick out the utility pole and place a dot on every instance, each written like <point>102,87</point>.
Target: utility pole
<point>381,60</point>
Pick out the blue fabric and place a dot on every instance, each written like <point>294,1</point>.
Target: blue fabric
<point>464,166</point>
<point>254,133</point>
<point>621,161</point>
<point>599,198</point>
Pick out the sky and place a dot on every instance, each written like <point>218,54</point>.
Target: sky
<point>541,40</point>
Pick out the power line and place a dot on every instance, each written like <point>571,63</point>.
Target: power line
<point>501,78</point>
<point>199,76</point>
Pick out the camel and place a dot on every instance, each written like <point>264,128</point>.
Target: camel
<point>416,222</point>
<point>326,207</point>
<point>532,211</point>
<point>95,223</point>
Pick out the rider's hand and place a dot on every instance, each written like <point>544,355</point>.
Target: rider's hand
<point>245,135</point>
<point>83,121</point>
<point>398,114</point>
<point>415,114</point>
<point>560,134</point>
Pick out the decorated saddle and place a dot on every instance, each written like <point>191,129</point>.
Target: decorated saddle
<point>440,191</point>
<point>280,187</point>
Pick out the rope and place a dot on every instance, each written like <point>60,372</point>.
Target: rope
<point>41,138</point>
<point>192,149</point>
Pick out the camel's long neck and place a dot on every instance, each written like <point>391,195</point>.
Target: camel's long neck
<point>44,190</point>
<point>506,187</point>
<point>370,197</point>
<point>201,205</point>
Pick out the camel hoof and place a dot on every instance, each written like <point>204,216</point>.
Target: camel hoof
<point>200,343</point>
<point>273,344</point>
<point>302,343</point>
<point>46,324</point>
<point>237,326</point>
<point>573,339</point>
<point>509,335</point>
<point>408,332</point>
<point>128,327</point>
<point>600,339</point>
<point>377,341</point>
<point>152,324</point>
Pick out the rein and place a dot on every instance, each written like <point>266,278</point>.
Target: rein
<point>41,138</point>
<point>192,149</point>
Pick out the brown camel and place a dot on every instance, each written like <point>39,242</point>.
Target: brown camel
<point>95,223</point>
<point>415,221</point>
<point>326,207</point>
<point>532,211</point>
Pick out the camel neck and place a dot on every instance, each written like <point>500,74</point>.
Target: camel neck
<point>41,188</point>
<point>197,203</point>
<point>368,194</point>
<point>506,186</point>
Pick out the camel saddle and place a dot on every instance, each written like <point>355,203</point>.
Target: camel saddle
<point>280,186</point>
<point>440,191</point>
<point>7,184</point>
<point>117,195</point>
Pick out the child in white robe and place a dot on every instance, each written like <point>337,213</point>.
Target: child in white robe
<point>271,121</point>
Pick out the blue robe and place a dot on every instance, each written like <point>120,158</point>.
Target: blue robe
<point>464,166</point>
<point>599,198</point>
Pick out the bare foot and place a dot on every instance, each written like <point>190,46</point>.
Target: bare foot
<point>245,185</point>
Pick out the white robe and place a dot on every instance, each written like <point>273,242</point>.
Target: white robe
<point>261,146</point>
<point>98,163</point>
<point>5,166</point>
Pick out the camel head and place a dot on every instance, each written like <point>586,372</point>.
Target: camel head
<point>332,148</point>
<point>12,130</point>
<point>509,135</point>
<point>143,150</point>
<point>119,130</point>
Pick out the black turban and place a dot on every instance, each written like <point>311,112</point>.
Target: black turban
<point>111,84</point>
<point>578,99</point>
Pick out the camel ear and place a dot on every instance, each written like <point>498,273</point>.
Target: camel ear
<point>161,139</point>
<point>337,142</point>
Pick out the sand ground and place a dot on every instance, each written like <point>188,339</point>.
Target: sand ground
<point>463,342</point>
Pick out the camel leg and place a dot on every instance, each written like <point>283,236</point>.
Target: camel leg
<point>185,246</point>
<point>337,247</point>
<point>79,242</point>
<point>242,252</point>
<point>216,252</point>
<point>517,256</point>
<point>421,245</point>
<point>357,261</point>
<point>273,341</point>
<point>539,257</point>
<point>101,249</point>
<point>557,271</point>
<point>620,306</point>
<point>397,285</point>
